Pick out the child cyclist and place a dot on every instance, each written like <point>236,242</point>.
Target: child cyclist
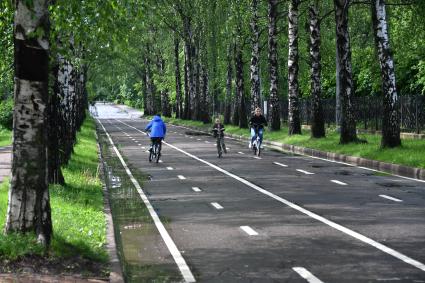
<point>218,132</point>
<point>158,129</point>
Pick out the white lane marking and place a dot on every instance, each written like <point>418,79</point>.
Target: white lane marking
<point>178,258</point>
<point>216,205</point>
<point>280,164</point>
<point>249,230</point>
<point>256,157</point>
<point>313,215</point>
<point>170,168</point>
<point>143,147</point>
<point>240,152</point>
<point>339,182</point>
<point>207,142</point>
<point>305,172</point>
<point>139,144</point>
<point>196,189</point>
<point>198,139</point>
<point>390,198</point>
<point>160,161</point>
<point>304,273</point>
<point>181,177</point>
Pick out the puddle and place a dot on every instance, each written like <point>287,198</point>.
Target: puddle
<point>143,254</point>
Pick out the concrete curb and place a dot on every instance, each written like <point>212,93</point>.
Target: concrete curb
<point>115,276</point>
<point>395,169</point>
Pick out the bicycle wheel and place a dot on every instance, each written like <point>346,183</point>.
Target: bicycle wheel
<point>151,154</point>
<point>158,153</point>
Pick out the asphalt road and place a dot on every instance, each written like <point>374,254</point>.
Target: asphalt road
<point>280,218</point>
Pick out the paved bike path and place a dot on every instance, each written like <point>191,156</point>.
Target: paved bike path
<point>218,250</point>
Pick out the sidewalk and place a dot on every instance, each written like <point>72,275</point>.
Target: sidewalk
<point>5,162</point>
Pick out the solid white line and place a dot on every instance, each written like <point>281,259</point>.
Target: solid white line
<point>339,182</point>
<point>305,172</point>
<point>178,258</point>
<point>313,215</point>
<point>216,205</point>
<point>280,164</point>
<point>196,189</point>
<point>181,177</point>
<point>240,152</point>
<point>170,168</point>
<point>304,273</point>
<point>390,198</point>
<point>249,230</point>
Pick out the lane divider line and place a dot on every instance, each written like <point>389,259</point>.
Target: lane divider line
<point>391,198</point>
<point>178,258</point>
<point>217,205</point>
<point>339,182</point>
<point>304,172</point>
<point>181,177</point>
<point>249,230</point>
<point>256,157</point>
<point>196,189</point>
<point>311,214</point>
<point>304,273</point>
<point>240,152</point>
<point>280,164</point>
<point>170,168</point>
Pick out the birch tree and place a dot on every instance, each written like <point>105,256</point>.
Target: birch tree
<point>391,115</point>
<point>255,54</point>
<point>346,91</point>
<point>294,122</point>
<point>318,124</point>
<point>29,201</point>
<point>274,106</point>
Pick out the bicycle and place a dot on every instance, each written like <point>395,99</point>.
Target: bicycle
<point>221,147</point>
<point>256,144</point>
<point>155,150</point>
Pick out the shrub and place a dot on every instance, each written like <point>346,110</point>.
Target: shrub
<point>6,113</point>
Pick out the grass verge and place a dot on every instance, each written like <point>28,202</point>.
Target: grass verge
<point>5,137</point>
<point>407,154</point>
<point>77,213</point>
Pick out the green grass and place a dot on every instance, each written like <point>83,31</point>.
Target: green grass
<point>409,154</point>
<point>77,209</point>
<point>5,137</point>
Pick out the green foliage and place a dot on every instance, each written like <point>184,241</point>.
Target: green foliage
<point>6,113</point>
<point>5,137</point>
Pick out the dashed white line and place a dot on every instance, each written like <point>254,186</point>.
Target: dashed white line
<point>311,214</point>
<point>240,152</point>
<point>139,144</point>
<point>181,177</point>
<point>390,198</point>
<point>339,182</point>
<point>216,205</point>
<point>304,273</point>
<point>249,230</point>
<point>305,172</point>
<point>198,139</point>
<point>196,189</point>
<point>178,258</point>
<point>207,142</point>
<point>280,164</point>
<point>170,168</point>
<point>256,157</point>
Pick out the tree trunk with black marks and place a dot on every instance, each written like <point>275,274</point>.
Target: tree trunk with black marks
<point>179,103</point>
<point>236,101</point>
<point>294,122</point>
<point>243,120</point>
<point>346,91</point>
<point>228,98</point>
<point>318,123</point>
<point>274,104</point>
<point>165,99</point>
<point>255,54</point>
<point>150,91</point>
<point>205,104</point>
<point>29,201</point>
<point>54,124</point>
<point>391,117</point>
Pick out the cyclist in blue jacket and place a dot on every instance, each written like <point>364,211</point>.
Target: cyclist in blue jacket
<point>158,130</point>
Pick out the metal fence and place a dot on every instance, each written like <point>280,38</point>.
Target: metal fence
<point>368,112</point>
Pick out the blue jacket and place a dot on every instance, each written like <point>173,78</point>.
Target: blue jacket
<point>157,127</point>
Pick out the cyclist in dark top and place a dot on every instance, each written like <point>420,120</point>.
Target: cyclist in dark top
<point>158,130</point>
<point>259,121</point>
